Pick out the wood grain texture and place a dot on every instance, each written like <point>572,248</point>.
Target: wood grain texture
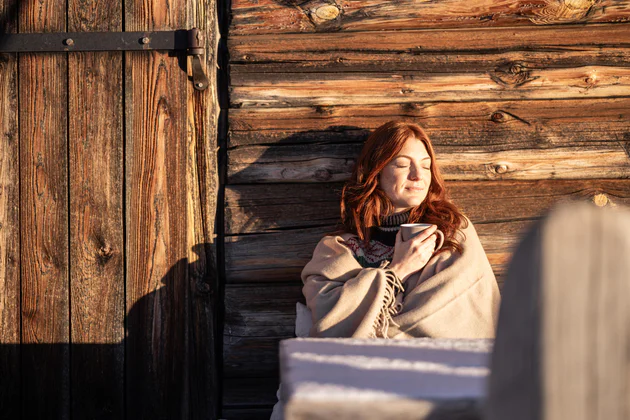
<point>506,53</point>
<point>281,256</point>
<point>158,273</point>
<point>246,413</point>
<point>283,16</point>
<point>273,207</point>
<point>510,65</point>
<point>360,88</point>
<point>256,319</point>
<point>520,124</point>
<point>44,204</point>
<point>567,290</point>
<point>97,306</point>
<point>333,163</point>
<point>249,392</point>
<point>202,185</point>
<point>44,234</point>
<point>10,325</point>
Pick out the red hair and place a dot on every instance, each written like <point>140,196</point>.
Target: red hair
<point>363,202</point>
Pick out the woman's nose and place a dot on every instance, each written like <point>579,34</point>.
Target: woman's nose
<point>414,175</point>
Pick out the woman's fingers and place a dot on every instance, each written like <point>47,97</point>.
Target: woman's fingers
<point>416,240</point>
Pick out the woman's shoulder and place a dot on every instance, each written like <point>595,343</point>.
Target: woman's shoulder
<point>336,242</point>
<point>332,252</point>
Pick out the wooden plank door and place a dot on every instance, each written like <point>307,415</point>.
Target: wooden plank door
<point>108,187</point>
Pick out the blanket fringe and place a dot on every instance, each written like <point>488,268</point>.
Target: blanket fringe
<point>390,306</point>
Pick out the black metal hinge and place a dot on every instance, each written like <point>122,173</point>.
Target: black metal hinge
<point>189,41</point>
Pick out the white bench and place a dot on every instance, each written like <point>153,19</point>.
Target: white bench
<point>377,378</point>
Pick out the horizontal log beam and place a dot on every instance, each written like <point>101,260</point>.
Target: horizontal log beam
<point>430,50</point>
<point>272,207</point>
<point>338,88</point>
<point>281,256</point>
<point>517,123</point>
<point>333,163</point>
<point>276,17</point>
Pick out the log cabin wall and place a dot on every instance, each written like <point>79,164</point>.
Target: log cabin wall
<point>526,102</point>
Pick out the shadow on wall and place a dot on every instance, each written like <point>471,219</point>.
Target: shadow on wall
<point>305,163</point>
<point>161,363</point>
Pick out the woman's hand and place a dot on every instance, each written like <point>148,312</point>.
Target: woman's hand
<point>412,255</point>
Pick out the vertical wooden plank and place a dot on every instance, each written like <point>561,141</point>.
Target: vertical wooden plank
<point>158,301</point>
<point>202,189</point>
<point>561,350</point>
<point>9,225</point>
<point>96,224</point>
<point>44,218</point>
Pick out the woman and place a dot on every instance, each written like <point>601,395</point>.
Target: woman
<point>364,281</point>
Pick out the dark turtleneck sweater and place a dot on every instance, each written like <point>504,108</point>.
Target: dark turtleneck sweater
<point>390,225</point>
<point>382,241</point>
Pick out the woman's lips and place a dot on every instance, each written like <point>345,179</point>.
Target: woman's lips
<point>415,188</point>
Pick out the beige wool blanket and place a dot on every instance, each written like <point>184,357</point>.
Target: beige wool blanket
<point>454,296</point>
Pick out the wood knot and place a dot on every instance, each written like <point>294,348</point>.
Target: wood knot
<point>324,110</point>
<point>203,287</point>
<point>501,168</point>
<point>600,200</point>
<point>327,12</point>
<point>512,74</point>
<point>498,116</point>
<point>516,68</point>
<point>105,253</point>
<point>322,174</point>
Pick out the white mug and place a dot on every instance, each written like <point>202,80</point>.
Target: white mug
<point>409,230</point>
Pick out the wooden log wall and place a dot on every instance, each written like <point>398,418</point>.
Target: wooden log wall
<point>527,104</point>
<point>108,192</point>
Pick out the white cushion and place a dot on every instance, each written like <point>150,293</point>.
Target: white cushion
<point>303,320</point>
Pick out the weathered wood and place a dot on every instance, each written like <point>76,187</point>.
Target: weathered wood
<point>158,273</point>
<point>339,88</point>
<point>566,294</point>
<point>96,230</point>
<point>275,17</point>
<point>508,53</point>
<point>261,311</point>
<point>272,207</point>
<point>256,319</point>
<point>249,392</point>
<point>202,185</point>
<point>520,124</point>
<point>251,356</point>
<point>509,66</point>
<point>281,256</point>
<point>43,82</point>
<point>331,163</point>
<point>246,413</point>
<point>9,226</point>
<point>269,207</point>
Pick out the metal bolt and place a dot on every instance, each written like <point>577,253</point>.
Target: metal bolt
<point>69,41</point>
<point>199,85</point>
<point>144,40</point>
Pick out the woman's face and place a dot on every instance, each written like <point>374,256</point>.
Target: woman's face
<point>406,178</point>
